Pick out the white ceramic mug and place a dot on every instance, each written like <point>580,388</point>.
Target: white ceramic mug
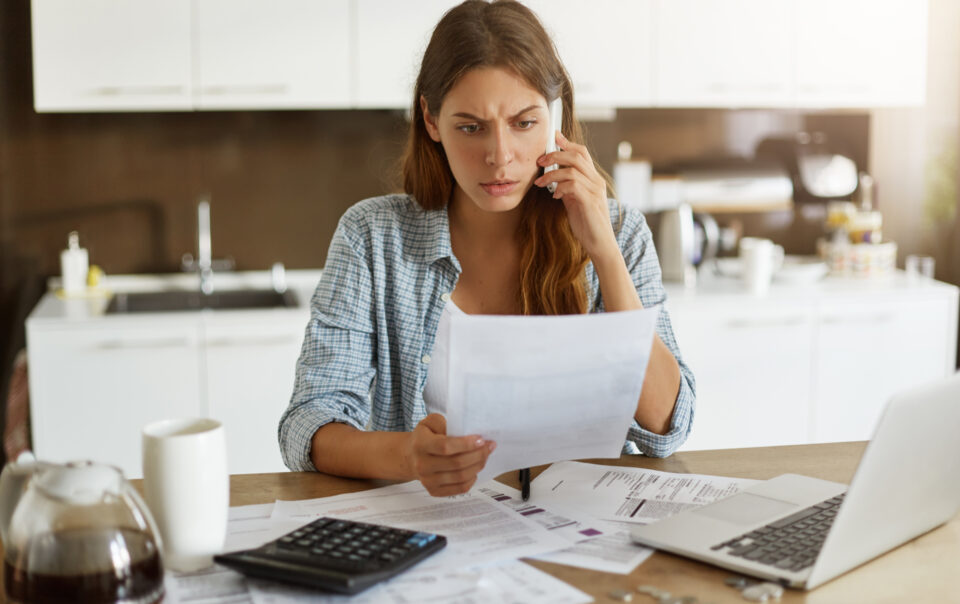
<point>760,259</point>
<point>187,488</point>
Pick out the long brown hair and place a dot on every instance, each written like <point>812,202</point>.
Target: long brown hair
<point>502,34</point>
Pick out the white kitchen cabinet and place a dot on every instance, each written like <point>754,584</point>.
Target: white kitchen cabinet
<point>249,378</point>
<point>97,379</point>
<point>869,350</point>
<point>271,54</point>
<point>724,54</point>
<point>391,38</point>
<point>612,66</point>
<point>111,55</point>
<point>861,53</point>
<point>752,390</point>
<point>93,386</point>
<point>808,363</point>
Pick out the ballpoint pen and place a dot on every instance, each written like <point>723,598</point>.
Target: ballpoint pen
<point>525,483</point>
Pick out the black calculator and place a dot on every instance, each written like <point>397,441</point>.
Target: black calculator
<point>336,555</point>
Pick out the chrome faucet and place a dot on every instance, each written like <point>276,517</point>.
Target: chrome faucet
<point>204,253</point>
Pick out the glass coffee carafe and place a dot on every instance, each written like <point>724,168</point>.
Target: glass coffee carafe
<point>78,532</point>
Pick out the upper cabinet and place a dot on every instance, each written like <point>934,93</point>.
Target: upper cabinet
<point>607,47</point>
<point>110,55</point>
<point>861,53</point>
<point>137,55</point>
<point>283,54</point>
<point>391,39</point>
<point>722,54</point>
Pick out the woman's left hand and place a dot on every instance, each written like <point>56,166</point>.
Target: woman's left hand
<point>584,195</point>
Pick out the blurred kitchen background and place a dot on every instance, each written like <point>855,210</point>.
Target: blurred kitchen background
<point>692,87</point>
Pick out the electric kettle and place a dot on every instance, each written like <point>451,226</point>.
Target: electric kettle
<point>76,532</point>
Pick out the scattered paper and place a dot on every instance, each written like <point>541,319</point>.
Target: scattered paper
<point>478,530</point>
<point>568,388</point>
<point>630,494</point>
<point>512,581</point>
<point>213,585</point>
<point>595,544</point>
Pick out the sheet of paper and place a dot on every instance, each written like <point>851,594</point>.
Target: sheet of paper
<point>478,530</point>
<point>630,494</point>
<point>595,544</point>
<point>247,526</point>
<point>214,585</point>
<point>547,388</point>
<point>508,582</point>
<point>251,526</point>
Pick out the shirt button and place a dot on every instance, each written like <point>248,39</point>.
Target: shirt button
<point>445,297</point>
<point>425,358</point>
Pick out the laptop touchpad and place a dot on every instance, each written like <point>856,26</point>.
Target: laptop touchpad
<point>746,508</point>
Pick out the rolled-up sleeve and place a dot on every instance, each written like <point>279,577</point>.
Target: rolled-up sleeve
<point>636,242</point>
<point>337,365</point>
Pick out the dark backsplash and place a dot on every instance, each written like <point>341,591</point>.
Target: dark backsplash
<point>278,180</point>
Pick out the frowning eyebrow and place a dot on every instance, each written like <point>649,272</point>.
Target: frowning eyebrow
<point>470,116</point>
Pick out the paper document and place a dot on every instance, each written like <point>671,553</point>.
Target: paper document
<point>478,530</point>
<point>247,526</point>
<point>547,388</point>
<point>254,525</point>
<point>508,582</point>
<point>630,494</point>
<point>601,545</point>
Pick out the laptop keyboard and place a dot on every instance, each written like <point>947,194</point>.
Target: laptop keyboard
<point>791,543</point>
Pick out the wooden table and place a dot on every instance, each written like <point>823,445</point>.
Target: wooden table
<point>922,570</point>
<point>926,569</point>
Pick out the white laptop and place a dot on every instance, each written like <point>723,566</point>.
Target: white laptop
<point>801,531</point>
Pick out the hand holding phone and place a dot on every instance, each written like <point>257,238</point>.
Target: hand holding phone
<point>555,111</point>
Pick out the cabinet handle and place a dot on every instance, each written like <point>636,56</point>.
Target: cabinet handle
<point>245,89</point>
<point>125,344</point>
<point>772,322</point>
<point>137,90</point>
<point>723,87</point>
<point>251,341</point>
<point>877,318</point>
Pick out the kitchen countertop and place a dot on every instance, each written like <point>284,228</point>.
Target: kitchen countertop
<point>723,289</point>
<point>714,288</point>
<point>54,307</point>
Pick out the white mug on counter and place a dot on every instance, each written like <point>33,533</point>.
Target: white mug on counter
<point>760,259</point>
<point>187,488</point>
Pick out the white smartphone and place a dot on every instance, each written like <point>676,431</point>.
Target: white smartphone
<point>555,110</point>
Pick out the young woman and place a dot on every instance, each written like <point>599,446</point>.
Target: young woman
<point>477,232</point>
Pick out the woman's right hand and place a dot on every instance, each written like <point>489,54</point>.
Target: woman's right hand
<point>446,465</point>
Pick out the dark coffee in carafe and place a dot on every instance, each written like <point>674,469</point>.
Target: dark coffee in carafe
<point>84,575</point>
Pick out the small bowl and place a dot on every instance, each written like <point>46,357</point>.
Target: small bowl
<point>801,269</point>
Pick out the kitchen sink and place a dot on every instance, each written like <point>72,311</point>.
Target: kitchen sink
<point>178,300</point>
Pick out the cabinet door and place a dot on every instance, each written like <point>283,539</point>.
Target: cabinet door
<point>250,369</point>
<point>111,55</point>
<point>92,389</point>
<point>869,350</point>
<point>255,54</point>
<point>720,54</point>
<point>861,53</point>
<point>391,38</point>
<point>752,367</point>
<point>606,46</point>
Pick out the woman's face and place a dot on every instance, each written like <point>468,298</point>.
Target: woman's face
<point>493,126</point>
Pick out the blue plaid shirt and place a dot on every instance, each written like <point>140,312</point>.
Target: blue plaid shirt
<point>374,317</point>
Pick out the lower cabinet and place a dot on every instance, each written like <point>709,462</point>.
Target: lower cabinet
<point>752,370</point>
<point>807,366</point>
<point>95,384</point>
<point>869,351</point>
<point>249,379</point>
